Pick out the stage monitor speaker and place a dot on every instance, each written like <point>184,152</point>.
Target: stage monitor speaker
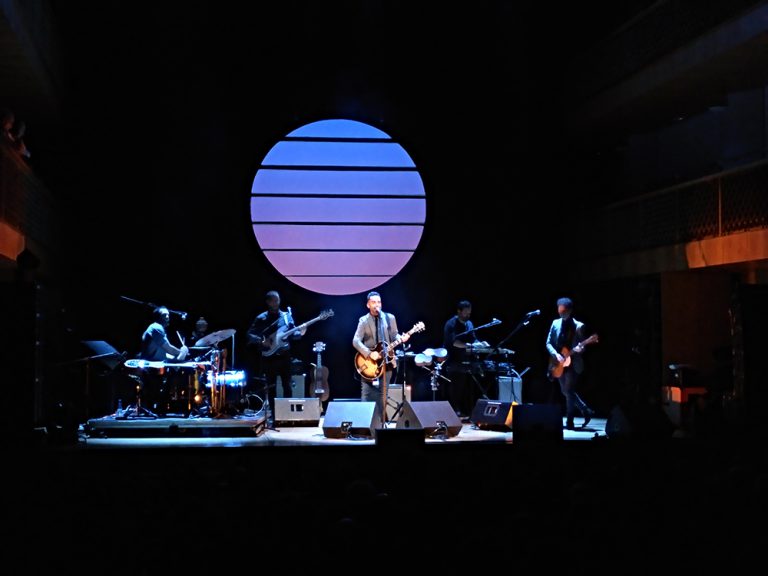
<point>297,411</point>
<point>298,387</point>
<point>492,415</point>
<point>638,422</point>
<point>433,417</point>
<point>343,419</point>
<point>537,423</point>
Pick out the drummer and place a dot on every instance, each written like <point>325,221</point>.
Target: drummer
<point>457,333</point>
<point>155,345</point>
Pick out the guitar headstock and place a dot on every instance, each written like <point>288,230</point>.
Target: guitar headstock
<point>418,327</point>
<point>325,314</point>
<point>318,347</point>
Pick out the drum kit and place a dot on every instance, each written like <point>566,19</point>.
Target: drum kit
<point>198,387</point>
<point>433,360</point>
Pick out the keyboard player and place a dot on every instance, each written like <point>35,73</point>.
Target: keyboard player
<point>458,334</point>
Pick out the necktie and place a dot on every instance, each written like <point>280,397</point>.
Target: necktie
<point>378,331</point>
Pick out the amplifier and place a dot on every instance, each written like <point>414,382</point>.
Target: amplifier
<point>298,387</point>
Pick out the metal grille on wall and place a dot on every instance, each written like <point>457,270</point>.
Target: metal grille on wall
<point>731,202</point>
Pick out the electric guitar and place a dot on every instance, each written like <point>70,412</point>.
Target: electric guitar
<point>373,369</point>
<point>278,341</point>
<point>555,369</point>
<point>320,375</point>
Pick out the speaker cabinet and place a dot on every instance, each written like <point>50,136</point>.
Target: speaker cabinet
<point>394,399</point>
<point>298,387</point>
<point>537,423</point>
<point>492,415</point>
<point>297,411</point>
<point>510,389</point>
<point>432,417</point>
<point>343,419</point>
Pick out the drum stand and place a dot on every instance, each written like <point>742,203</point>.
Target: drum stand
<point>435,375</point>
<point>137,410</point>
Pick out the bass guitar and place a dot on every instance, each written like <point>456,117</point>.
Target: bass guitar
<point>320,374</point>
<point>372,369</point>
<point>555,369</point>
<point>278,341</point>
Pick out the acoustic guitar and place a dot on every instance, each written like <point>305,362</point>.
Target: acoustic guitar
<point>372,369</point>
<point>320,374</point>
<point>278,341</point>
<point>555,369</point>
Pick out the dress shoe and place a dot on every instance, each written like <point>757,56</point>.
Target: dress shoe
<point>588,413</point>
<point>569,425</point>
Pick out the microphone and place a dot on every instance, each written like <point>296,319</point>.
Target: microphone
<point>533,313</point>
<point>182,315</point>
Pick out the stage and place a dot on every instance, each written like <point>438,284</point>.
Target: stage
<point>251,430</point>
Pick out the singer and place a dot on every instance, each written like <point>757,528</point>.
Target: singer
<point>261,338</point>
<point>460,391</point>
<point>373,328</point>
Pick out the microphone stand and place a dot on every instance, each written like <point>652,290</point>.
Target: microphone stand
<point>152,305</point>
<point>491,323</point>
<point>524,322</point>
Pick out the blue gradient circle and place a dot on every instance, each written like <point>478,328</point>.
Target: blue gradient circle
<point>338,207</point>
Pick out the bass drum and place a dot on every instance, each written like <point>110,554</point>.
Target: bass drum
<point>229,394</point>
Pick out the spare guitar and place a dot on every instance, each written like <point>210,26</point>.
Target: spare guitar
<point>278,341</point>
<point>556,368</point>
<point>373,369</point>
<point>320,374</point>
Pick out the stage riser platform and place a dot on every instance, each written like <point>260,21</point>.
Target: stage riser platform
<point>110,427</point>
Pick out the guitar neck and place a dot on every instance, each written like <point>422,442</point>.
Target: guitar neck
<point>300,326</point>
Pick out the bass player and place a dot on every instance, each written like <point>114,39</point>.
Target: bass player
<point>265,331</point>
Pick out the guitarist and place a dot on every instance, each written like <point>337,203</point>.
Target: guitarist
<point>375,327</point>
<point>261,336</point>
<point>565,335</point>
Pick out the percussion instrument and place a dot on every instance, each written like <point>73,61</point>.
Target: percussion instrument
<point>226,387</point>
<point>439,354</point>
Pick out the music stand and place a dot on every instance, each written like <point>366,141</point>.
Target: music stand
<point>103,352</point>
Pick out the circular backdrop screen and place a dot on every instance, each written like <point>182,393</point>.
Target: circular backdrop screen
<point>338,207</point>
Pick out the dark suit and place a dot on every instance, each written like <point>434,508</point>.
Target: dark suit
<point>569,379</point>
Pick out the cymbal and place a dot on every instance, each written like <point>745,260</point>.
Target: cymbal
<point>215,337</point>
